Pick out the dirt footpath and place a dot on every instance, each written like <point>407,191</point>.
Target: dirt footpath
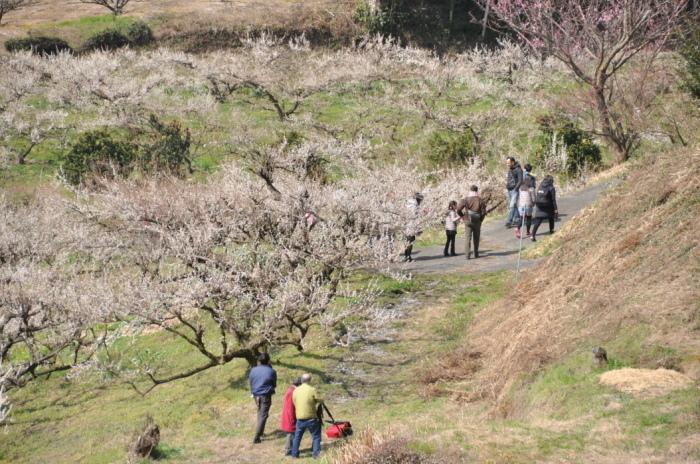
<point>499,247</point>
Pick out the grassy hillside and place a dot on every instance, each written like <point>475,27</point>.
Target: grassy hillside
<point>487,367</point>
<point>531,393</point>
<point>171,18</point>
<point>623,275</point>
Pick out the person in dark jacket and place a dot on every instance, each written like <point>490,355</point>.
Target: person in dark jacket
<point>545,205</point>
<point>412,227</point>
<point>513,180</point>
<point>473,210</point>
<point>263,381</point>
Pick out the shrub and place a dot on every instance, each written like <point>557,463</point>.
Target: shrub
<point>691,53</point>
<point>169,148</point>
<point>38,45</point>
<point>110,39</point>
<point>564,147</point>
<point>98,153</point>
<point>139,34</point>
<point>136,34</point>
<point>449,148</point>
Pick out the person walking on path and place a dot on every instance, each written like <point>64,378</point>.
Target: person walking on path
<point>412,226</point>
<point>451,221</point>
<point>545,205</point>
<point>473,210</point>
<point>306,402</point>
<point>288,419</point>
<point>263,381</point>
<point>527,172</point>
<point>513,180</point>
<point>526,200</point>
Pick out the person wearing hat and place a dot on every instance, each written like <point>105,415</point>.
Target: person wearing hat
<point>288,419</point>
<point>473,210</point>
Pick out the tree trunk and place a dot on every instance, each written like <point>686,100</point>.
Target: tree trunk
<point>622,150</point>
<point>484,23</point>
<point>22,156</point>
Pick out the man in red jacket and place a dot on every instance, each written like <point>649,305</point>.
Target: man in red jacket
<point>288,418</point>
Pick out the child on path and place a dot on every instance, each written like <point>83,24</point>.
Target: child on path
<point>526,201</point>
<point>451,221</point>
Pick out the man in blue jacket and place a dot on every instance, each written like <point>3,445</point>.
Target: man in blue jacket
<point>263,381</point>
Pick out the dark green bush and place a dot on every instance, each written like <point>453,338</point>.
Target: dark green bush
<point>98,153</point>
<point>139,34</point>
<point>691,52</point>
<point>136,34</point>
<point>448,148</point>
<point>38,45</point>
<point>560,134</point>
<point>168,151</point>
<point>110,39</point>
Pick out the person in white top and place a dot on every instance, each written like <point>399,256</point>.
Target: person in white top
<point>451,221</point>
<point>526,200</point>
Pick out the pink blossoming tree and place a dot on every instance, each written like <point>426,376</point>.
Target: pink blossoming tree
<point>594,39</point>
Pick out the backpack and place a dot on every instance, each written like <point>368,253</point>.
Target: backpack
<point>339,430</point>
<point>542,197</point>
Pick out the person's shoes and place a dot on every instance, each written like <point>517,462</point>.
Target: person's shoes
<point>446,255</point>
<point>508,225</point>
<point>453,254</point>
<point>476,255</point>
<point>256,441</point>
<point>517,233</point>
<point>533,238</point>
<point>551,232</point>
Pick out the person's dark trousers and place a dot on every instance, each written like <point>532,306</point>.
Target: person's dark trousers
<point>313,426</point>
<point>409,247</point>
<point>288,444</point>
<point>473,229</point>
<point>263,403</point>
<point>538,221</point>
<point>450,244</point>
<point>528,223</point>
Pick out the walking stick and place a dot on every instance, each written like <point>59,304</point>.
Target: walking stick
<point>520,248</point>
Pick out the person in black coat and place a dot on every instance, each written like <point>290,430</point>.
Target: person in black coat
<point>545,205</point>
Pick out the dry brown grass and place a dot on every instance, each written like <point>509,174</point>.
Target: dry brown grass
<point>632,260</point>
<point>645,383</point>
<point>371,447</point>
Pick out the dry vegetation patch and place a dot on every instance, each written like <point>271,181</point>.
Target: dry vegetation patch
<point>388,447</point>
<point>645,383</point>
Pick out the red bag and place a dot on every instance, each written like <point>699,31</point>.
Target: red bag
<point>339,430</point>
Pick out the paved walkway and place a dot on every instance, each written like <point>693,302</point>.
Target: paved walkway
<point>499,247</point>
